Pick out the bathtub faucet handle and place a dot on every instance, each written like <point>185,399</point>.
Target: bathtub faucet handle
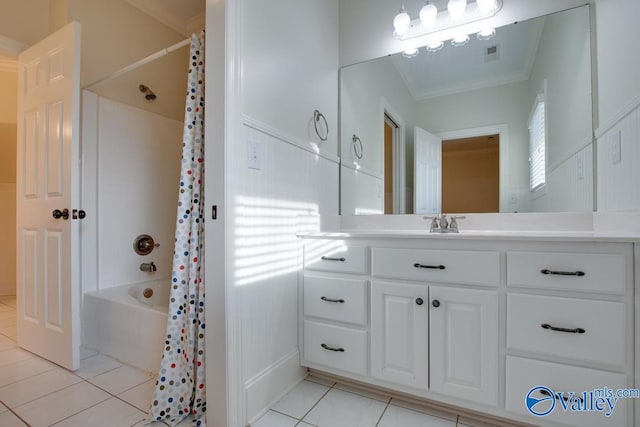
<point>148,267</point>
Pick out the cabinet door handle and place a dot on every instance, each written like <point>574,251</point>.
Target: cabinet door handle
<point>435,303</point>
<point>326,347</point>
<point>341,301</point>
<point>327,258</point>
<point>432,267</point>
<point>419,301</point>
<point>558,329</point>
<point>563,273</point>
<point>565,398</point>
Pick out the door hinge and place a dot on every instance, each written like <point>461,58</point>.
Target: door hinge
<point>214,212</point>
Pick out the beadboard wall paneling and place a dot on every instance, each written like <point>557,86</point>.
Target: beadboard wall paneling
<point>291,192</point>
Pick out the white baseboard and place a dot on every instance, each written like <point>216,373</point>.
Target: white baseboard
<point>266,388</point>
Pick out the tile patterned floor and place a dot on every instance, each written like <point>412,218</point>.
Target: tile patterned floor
<point>107,393</point>
<point>38,393</point>
<point>319,402</point>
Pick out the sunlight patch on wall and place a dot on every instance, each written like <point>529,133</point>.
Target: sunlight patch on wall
<point>265,236</point>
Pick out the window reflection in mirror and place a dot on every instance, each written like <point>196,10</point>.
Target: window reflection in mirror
<point>485,88</point>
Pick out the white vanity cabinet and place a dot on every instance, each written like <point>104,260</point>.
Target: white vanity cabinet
<point>399,333</point>
<point>473,322</point>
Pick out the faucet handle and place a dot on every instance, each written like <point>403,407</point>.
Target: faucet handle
<point>434,222</point>
<point>454,221</point>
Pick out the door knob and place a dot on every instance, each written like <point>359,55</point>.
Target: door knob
<point>435,303</point>
<point>64,214</point>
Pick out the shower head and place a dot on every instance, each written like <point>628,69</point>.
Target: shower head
<point>148,93</point>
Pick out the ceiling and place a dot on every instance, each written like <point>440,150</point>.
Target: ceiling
<point>184,16</point>
<point>459,69</point>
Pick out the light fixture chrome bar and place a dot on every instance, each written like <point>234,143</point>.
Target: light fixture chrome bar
<point>444,22</point>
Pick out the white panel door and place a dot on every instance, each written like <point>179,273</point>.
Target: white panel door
<point>48,289</point>
<point>463,327</point>
<point>427,185</point>
<point>399,333</point>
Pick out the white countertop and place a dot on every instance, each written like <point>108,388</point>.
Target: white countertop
<point>561,236</point>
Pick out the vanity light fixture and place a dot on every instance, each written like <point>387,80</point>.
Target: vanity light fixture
<point>456,9</point>
<point>401,22</point>
<point>460,40</point>
<point>428,14</point>
<point>486,34</point>
<point>487,5</point>
<point>435,46</point>
<point>432,21</point>
<point>410,52</point>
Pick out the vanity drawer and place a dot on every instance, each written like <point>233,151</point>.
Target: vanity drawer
<point>336,347</point>
<point>603,323</point>
<point>603,273</point>
<point>464,267</point>
<point>342,300</point>
<point>340,259</point>
<point>525,374</point>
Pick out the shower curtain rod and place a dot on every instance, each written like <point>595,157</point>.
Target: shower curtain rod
<point>140,63</point>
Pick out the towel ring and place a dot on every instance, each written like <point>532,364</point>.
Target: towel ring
<point>317,116</point>
<point>358,150</point>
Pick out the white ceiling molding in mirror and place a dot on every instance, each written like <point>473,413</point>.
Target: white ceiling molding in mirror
<point>483,89</point>
<point>186,16</point>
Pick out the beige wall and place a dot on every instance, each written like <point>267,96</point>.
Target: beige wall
<point>26,21</point>
<point>8,93</point>
<point>114,35</point>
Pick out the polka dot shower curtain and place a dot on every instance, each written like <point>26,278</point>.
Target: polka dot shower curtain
<point>180,389</point>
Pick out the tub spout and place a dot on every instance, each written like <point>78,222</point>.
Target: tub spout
<point>148,267</point>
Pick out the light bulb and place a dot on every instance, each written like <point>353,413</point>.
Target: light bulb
<point>410,52</point>
<point>435,46</point>
<point>460,40</point>
<point>428,14</point>
<point>456,9</point>
<point>487,5</point>
<point>401,22</point>
<point>486,34</point>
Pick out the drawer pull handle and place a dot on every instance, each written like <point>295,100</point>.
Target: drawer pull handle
<point>326,347</point>
<point>432,267</point>
<point>556,328</point>
<point>341,301</point>
<point>327,258</point>
<point>563,273</point>
<point>565,398</point>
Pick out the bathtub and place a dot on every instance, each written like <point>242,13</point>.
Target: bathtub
<point>128,322</point>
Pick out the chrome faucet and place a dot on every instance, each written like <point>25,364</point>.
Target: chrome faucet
<point>148,267</point>
<point>440,224</point>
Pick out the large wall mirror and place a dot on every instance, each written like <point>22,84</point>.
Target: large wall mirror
<point>497,125</point>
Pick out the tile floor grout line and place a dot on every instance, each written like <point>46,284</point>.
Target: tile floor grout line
<point>18,416</point>
<point>73,415</point>
<point>44,395</point>
<point>383,412</point>
<point>315,404</point>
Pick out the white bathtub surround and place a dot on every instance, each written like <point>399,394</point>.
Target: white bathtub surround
<point>119,324</point>
<point>131,167</point>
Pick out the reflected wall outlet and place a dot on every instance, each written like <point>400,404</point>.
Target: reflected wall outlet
<point>616,147</point>
<point>253,154</point>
